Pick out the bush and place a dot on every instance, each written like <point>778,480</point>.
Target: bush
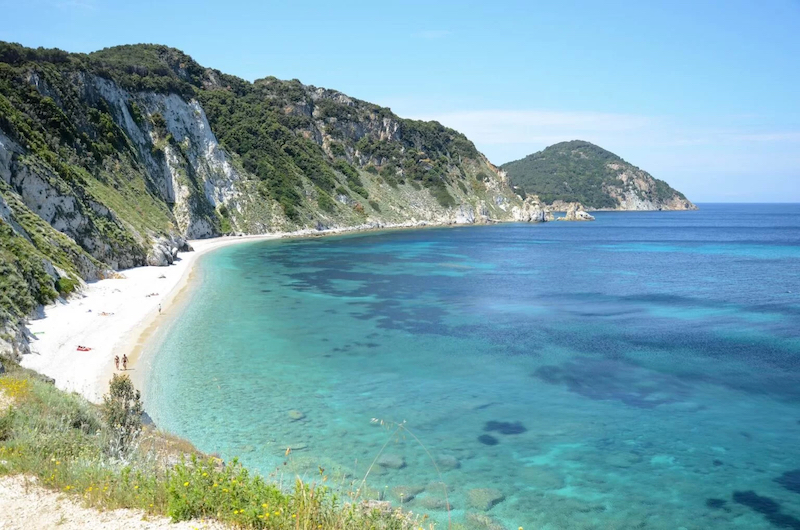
<point>325,202</point>
<point>66,286</point>
<point>122,412</point>
<point>6,424</point>
<point>337,149</point>
<point>60,439</point>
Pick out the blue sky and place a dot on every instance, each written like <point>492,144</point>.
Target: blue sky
<point>703,94</point>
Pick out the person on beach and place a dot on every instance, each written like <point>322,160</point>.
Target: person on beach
<point>116,361</point>
<point>124,362</point>
<point>159,309</point>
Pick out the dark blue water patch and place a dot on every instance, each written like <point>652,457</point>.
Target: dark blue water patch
<point>505,427</point>
<point>768,507</point>
<point>716,504</point>
<point>761,504</point>
<point>647,381</point>
<point>601,379</point>
<point>790,480</point>
<point>488,439</point>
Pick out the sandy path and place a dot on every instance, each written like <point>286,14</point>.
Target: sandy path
<point>128,310</point>
<point>25,505</point>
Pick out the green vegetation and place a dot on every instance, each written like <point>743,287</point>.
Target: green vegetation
<point>325,202</point>
<point>579,171</point>
<point>24,278</point>
<point>73,446</point>
<point>122,412</point>
<point>112,185</point>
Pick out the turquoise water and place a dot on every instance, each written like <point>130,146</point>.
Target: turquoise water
<point>641,371</point>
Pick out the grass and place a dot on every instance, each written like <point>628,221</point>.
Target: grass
<point>64,441</point>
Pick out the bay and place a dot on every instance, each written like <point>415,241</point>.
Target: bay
<point>640,371</point>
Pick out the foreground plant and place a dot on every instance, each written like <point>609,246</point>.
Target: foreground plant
<point>64,442</point>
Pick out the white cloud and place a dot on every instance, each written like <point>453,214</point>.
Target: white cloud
<point>702,156</point>
<point>497,127</point>
<point>770,137</point>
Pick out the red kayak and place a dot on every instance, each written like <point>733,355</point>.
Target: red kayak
<point>83,348</point>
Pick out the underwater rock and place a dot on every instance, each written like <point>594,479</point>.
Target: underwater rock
<point>296,415</point>
<point>790,480</point>
<point>434,503</point>
<point>447,462</point>
<point>406,493</point>
<point>392,461</point>
<point>483,522</point>
<point>438,488</point>
<point>484,498</point>
<point>505,427</point>
<point>488,439</point>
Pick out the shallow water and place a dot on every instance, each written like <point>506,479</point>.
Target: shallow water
<point>641,371</point>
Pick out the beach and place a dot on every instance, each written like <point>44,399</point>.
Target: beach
<point>114,316</point>
<point>109,316</point>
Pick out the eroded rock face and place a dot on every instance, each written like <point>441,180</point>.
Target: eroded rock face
<point>532,210</point>
<point>13,340</point>
<point>575,212</point>
<point>636,189</point>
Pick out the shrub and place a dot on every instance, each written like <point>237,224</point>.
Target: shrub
<point>442,196</point>
<point>325,202</point>
<point>66,285</point>
<point>337,149</point>
<point>6,424</point>
<point>122,412</point>
<point>136,112</point>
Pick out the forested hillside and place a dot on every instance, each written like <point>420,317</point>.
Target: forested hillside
<point>579,171</point>
<point>112,159</point>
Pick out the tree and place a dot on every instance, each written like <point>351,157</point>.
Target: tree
<point>122,411</point>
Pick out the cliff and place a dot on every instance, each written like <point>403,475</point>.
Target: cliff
<point>113,159</point>
<point>579,171</point>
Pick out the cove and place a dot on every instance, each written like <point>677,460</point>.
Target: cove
<point>641,371</point>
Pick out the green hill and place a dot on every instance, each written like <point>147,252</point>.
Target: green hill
<point>579,171</point>
<point>111,159</point>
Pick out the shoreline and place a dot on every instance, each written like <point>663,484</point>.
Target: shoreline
<point>117,316</point>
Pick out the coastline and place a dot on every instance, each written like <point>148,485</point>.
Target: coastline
<point>116,316</point>
<point>129,309</point>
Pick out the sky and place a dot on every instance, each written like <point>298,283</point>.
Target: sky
<point>703,94</point>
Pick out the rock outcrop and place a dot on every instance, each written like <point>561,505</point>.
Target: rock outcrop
<point>574,212</point>
<point>532,211</point>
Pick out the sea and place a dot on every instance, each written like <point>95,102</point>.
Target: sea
<point>641,371</point>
